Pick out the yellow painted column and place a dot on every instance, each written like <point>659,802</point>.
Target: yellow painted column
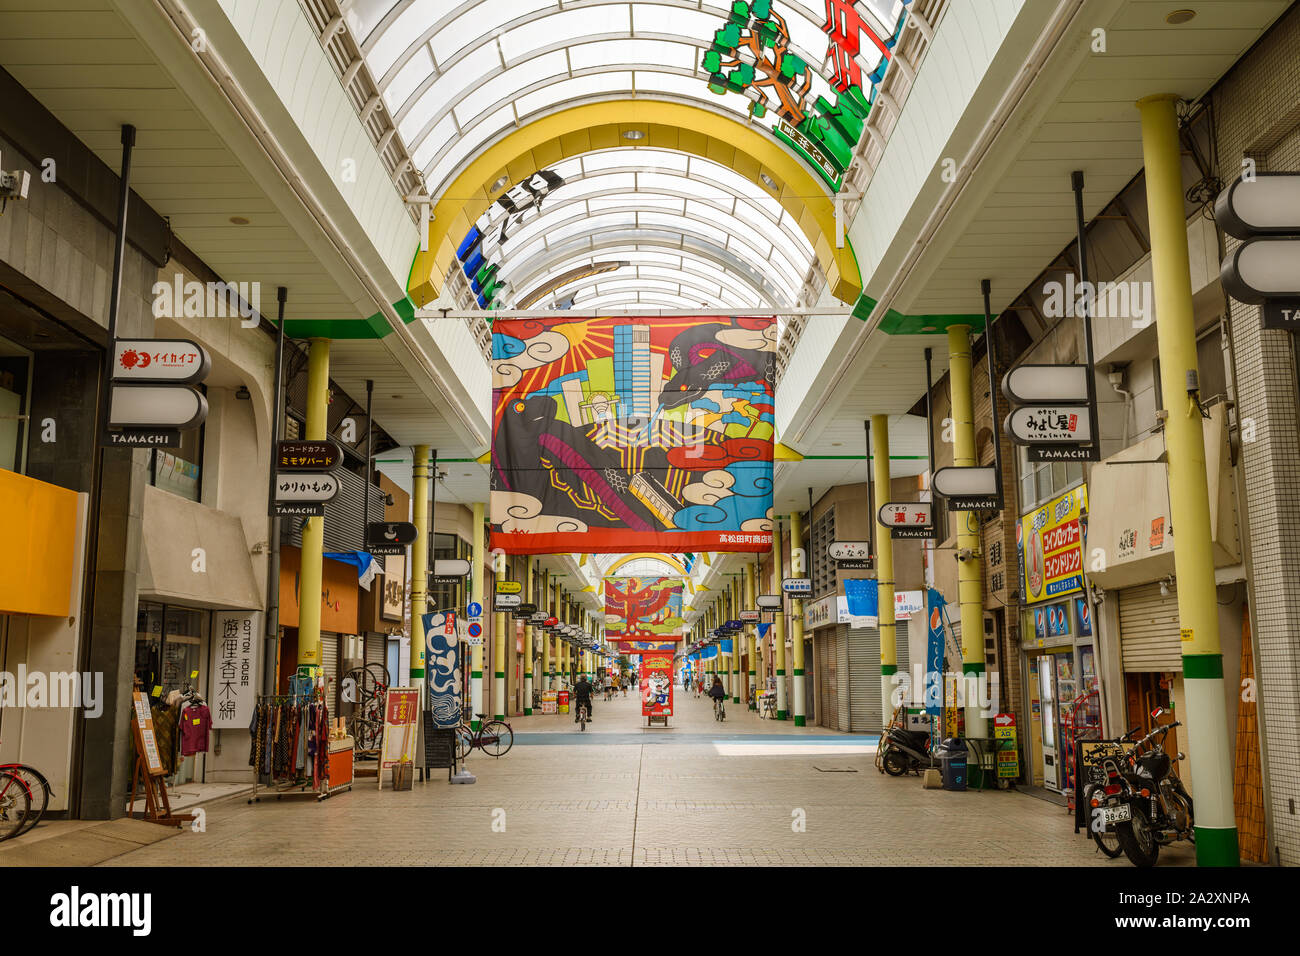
<point>544,604</point>
<point>1189,501</point>
<point>970,569</point>
<point>528,641</point>
<point>798,562</point>
<point>751,632</point>
<point>419,561</point>
<point>499,648</point>
<point>737,645</point>
<point>313,534</point>
<point>778,622</point>
<point>885,568</point>
<point>477,556</point>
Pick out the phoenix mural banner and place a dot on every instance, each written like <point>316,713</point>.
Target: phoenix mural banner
<point>639,610</point>
<point>621,434</point>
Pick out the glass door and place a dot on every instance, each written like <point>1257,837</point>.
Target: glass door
<point>1048,717</point>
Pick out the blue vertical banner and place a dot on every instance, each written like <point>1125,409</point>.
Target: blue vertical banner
<point>442,667</point>
<point>726,646</point>
<point>863,597</point>
<point>934,662</point>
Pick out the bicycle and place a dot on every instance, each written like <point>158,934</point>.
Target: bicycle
<point>719,710</point>
<point>769,707</point>
<point>494,737</point>
<point>582,716</point>
<point>38,789</point>
<point>15,804</point>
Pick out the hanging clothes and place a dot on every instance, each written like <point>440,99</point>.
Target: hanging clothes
<point>195,723</point>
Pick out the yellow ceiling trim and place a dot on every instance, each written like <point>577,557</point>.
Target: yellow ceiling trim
<point>675,126</point>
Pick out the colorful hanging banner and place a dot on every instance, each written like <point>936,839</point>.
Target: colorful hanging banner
<point>442,667</point>
<point>646,647</point>
<point>632,434</point>
<point>1051,546</point>
<point>933,694</point>
<point>656,685</point>
<point>640,609</point>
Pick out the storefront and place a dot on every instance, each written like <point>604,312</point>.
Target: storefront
<point>1059,664</point>
<point>339,617</point>
<point>848,665</point>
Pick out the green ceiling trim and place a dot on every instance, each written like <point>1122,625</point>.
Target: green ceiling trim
<point>372,327</point>
<point>896,323</point>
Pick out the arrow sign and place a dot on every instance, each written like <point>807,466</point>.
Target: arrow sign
<point>969,488</point>
<point>1266,204</point>
<point>155,406</point>
<point>1004,720</point>
<point>907,519</point>
<point>1262,269</point>
<point>310,456</point>
<point>1049,425</point>
<point>1062,384</point>
<point>389,537</point>
<point>849,550</point>
<point>165,361</point>
<point>450,568</point>
<point>317,488</point>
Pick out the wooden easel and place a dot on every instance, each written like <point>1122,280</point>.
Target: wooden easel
<point>148,767</point>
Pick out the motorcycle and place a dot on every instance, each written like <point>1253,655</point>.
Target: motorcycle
<point>1145,803</point>
<point>905,751</point>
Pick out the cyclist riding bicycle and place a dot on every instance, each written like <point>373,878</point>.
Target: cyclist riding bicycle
<point>717,692</point>
<point>582,692</point>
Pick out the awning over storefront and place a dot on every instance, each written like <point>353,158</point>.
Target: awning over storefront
<point>171,569</point>
<point>40,532</point>
<point>1130,539</point>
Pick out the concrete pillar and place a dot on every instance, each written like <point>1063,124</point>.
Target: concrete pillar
<point>313,535</point>
<point>778,623</point>
<point>884,567</point>
<point>798,566</point>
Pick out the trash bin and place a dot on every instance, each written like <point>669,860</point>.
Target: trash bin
<point>952,760</point>
<point>563,702</point>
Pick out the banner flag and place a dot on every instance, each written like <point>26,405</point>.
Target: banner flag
<point>442,667</point>
<point>646,647</point>
<point>621,434</point>
<point>709,653</point>
<point>863,597</point>
<point>639,609</point>
<point>934,662</point>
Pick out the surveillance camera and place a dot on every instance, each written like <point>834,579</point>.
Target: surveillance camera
<point>14,185</point>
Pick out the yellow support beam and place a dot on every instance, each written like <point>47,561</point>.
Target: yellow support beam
<point>313,534</point>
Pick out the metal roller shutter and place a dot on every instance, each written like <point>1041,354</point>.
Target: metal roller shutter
<point>1148,629</point>
<point>826,674</point>
<point>329,658</point>
<point>842,717</point>
<point>377,650</point>
<point>864,676</point>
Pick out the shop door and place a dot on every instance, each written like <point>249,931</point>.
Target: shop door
<point>809,695</point>
<point>1048,718</point>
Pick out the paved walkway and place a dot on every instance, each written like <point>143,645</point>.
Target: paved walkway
<point>747,792</point>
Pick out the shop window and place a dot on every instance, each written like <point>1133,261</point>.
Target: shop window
<point>15,402</point>
<point>180,470</point>
<point>1042,481</point>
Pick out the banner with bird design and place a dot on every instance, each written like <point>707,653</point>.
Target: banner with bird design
<point>643,610</point>
<point>622,434</point>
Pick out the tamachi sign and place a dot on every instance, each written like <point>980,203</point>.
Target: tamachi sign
<point>1051,542</point>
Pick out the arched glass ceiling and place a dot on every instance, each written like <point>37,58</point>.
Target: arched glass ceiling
<point>732,244</point>
<point>641,567</point>
<point>455,74</point>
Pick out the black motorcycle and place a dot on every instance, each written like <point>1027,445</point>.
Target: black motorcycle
<point>905,751</point>
<point>1150,807</point>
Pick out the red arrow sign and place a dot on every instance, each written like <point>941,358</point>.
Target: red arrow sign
<point>1004,720</point>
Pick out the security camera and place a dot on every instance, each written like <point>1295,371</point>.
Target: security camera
<point>14,185</point>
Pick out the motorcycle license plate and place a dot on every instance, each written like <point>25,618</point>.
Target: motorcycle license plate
<point>1120,814</point>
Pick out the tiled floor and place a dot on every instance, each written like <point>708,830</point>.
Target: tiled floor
<point>747,792</point>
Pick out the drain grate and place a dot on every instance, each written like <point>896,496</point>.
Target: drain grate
<point>835,769</point>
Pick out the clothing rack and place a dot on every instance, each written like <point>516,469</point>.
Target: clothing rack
<point>306,781</point>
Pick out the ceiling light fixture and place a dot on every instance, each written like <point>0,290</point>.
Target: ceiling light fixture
<point>500,182</point>
<point>239,220</point>
<point>1179,16</point>
<point>633,134</point>
<point>768,181</point>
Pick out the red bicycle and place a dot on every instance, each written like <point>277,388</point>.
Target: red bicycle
<point>24,795</point>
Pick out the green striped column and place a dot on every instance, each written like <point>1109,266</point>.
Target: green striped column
<point>778,621</point>
<point>797,565</point>
<point>884,568</point>
<point>1206,718</point>
<point>528,642</point>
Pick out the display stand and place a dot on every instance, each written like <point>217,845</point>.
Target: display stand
<point>307,688</point>
<point>148,767</point>
<point>439,746</point>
